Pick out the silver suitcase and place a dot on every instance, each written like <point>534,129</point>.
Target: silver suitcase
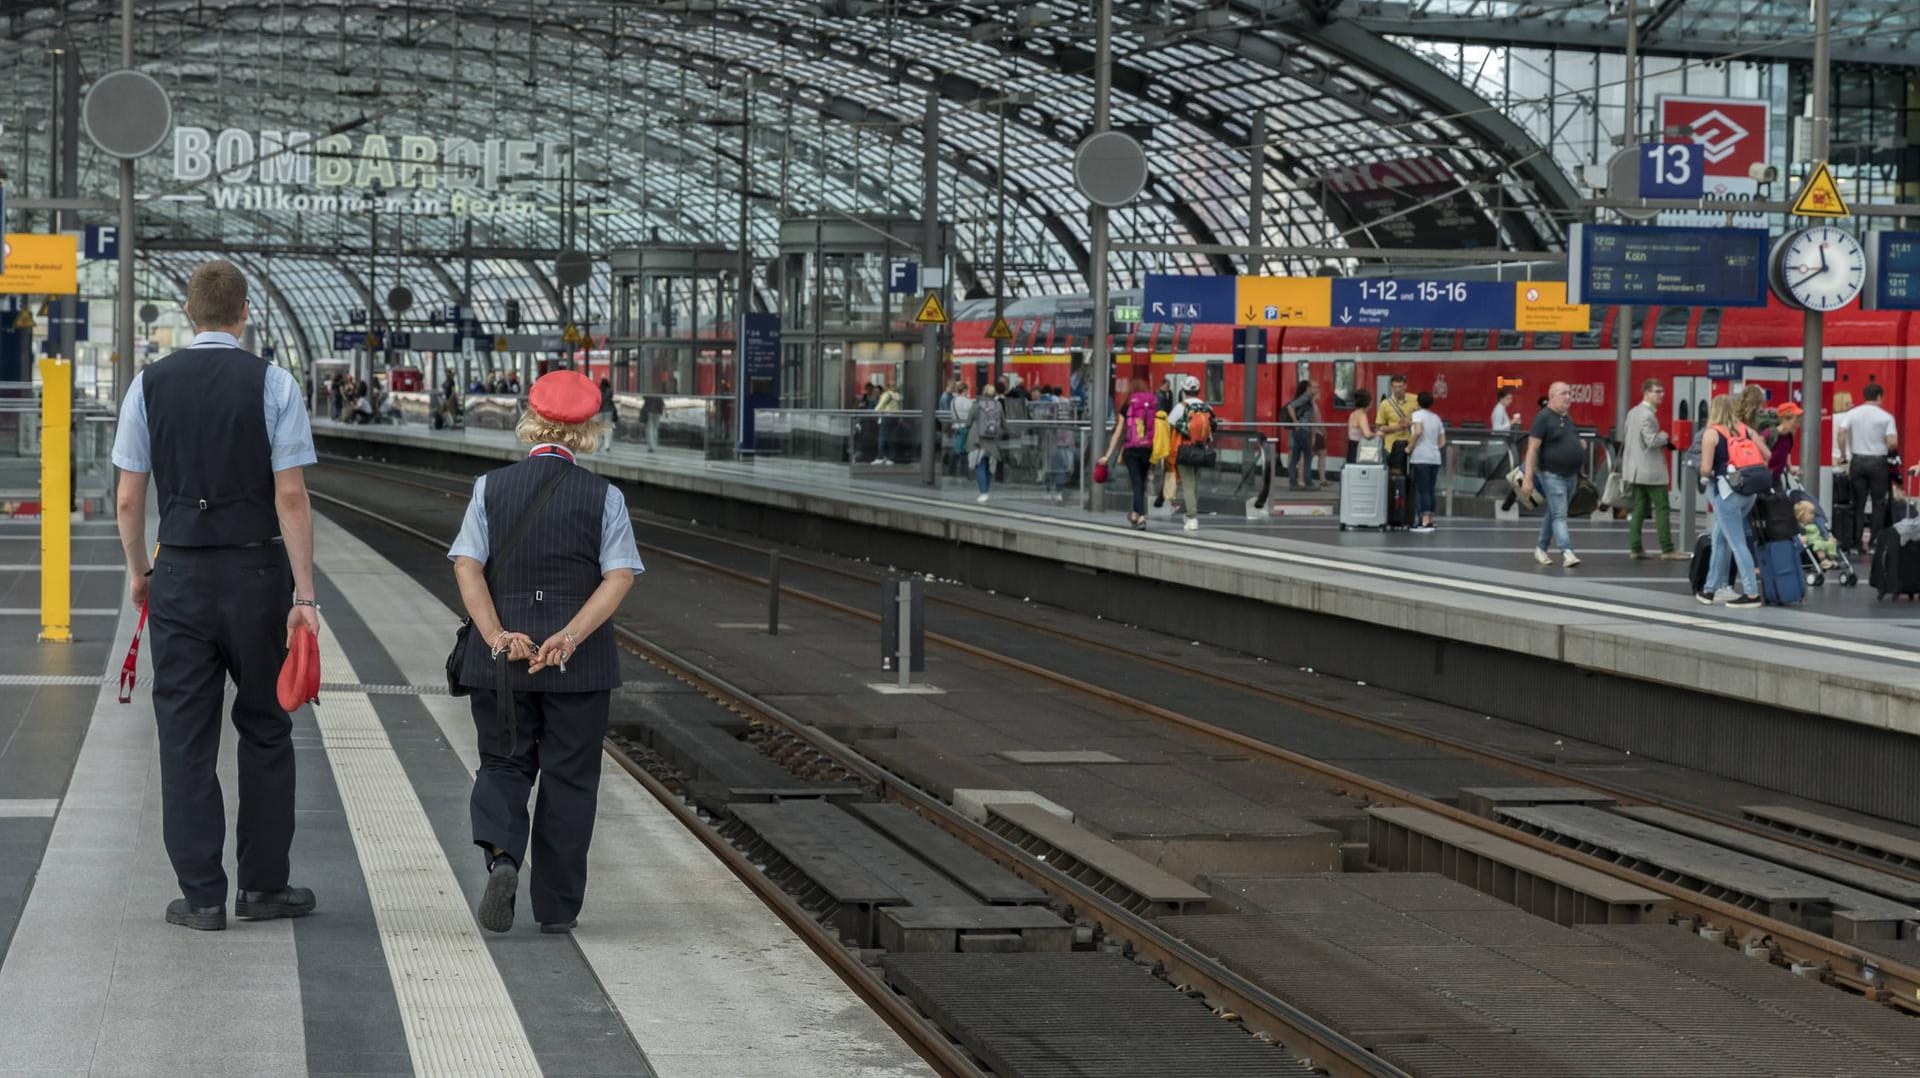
<point>1363,496</point>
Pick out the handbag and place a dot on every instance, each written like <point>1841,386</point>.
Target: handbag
<point>1584,500</point>
<point>462,636</point>
<point>1616,492</point>
<point>1372,451</point>
<point>1196,456</point>
<point>1100,471</point>
<point>1516,479</point>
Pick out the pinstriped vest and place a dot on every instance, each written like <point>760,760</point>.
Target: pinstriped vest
<point>540,586</point>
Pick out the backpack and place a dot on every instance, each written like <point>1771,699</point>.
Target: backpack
<point>1197,424</point>
<point>993,419</point>
<point>1140,408</point>
<point>1747,471</point>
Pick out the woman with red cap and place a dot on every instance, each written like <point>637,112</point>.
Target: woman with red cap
<point>544,557</point>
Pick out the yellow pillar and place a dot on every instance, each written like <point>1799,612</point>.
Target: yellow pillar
<point>56,486</point>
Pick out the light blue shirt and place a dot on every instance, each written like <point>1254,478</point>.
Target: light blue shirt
<point>287,428</point>
<point>617,548</point>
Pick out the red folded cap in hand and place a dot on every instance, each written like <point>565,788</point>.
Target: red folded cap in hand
<point>300,675</point>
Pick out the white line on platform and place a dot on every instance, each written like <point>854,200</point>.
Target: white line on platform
<point>458,1017</point>
<point>16,807</point>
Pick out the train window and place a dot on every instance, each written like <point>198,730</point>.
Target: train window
<point>1043,334</point>
<point>1344,373</point>
<point>1475,341</point>
<point>1386,341</point>
<point>1183,340</point>
<point>1511,339</point>
<point>1162,337</point>
<point>1546,340</point>
<point>1708,335</point>
<point>1670,329</point>
<point>1441,340</point>
<point>1216,381</point>
<point>1597,320</point>
<point>1410,340</point>
<point>1302,370</point>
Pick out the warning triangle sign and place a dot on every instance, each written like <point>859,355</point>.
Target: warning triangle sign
<point>1000,331</point>
<point>24,320</point>
<point>931,313</point>
<point>1821,196</point>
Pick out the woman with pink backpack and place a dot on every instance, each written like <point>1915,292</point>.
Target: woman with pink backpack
<point>1133,440</point>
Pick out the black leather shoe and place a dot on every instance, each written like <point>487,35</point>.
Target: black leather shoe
<point>496,902</point>
<point>266,905</point>
<point>560,928</point>
<point>200,918</point>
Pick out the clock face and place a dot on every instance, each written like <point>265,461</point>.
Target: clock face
<point>1820,268</point>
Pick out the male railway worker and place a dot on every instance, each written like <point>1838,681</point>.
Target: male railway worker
<point>224,436</point>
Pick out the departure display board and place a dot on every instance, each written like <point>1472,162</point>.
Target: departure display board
<point>1893,271</point>
<point>1648,266</point>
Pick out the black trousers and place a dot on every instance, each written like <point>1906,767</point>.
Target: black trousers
<point>1871,479</point>
<point>558,740</point>
<point>216,613</point>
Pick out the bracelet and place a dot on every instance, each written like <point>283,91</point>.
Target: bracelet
<point>308,602</point>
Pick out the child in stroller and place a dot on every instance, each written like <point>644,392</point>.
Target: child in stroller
<point>1820,552</point>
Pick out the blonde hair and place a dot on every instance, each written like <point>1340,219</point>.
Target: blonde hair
<point>1842,401</point>
<point>1720,412</point>
<point>1747,406</point>
<point>536,429</point>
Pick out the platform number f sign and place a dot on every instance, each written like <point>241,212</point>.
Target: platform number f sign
<point>1672,170</point>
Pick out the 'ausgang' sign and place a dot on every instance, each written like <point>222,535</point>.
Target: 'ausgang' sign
<point>300,172</point>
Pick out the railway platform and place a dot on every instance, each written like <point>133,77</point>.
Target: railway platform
<point>678,970</point>
<point>1809,698</point>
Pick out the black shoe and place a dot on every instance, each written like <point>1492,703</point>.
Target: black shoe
<point>199,918</point>
<point>560,928</point>
<point>267,905</point>
<point>1746,602</point>
<point>496,902</point>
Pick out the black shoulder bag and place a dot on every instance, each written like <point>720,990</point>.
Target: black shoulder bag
<point>457,658</point>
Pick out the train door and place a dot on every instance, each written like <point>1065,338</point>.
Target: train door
<point>1689,397</point>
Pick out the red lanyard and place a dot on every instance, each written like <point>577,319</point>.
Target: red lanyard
<point>129,670</point>
<point>551,451</point>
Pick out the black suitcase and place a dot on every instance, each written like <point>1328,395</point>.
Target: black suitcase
<point>1773,518</point>
<point>1895,569</point>
<point>1399,505</point>
<point>1697,568</point>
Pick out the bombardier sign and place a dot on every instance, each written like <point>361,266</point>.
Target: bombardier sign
<point>301,172</point>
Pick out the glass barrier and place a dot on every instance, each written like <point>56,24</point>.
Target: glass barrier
<point>1242,471</point>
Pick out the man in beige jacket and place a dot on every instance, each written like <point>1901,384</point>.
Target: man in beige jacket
<point>1643,467</point>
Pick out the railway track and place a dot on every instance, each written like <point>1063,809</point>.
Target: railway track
<point>1230,995</point>
<point>1847,965</point>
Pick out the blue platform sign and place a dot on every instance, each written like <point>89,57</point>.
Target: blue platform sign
<point>1893,271</point>
<point>903,278</point>
<point>1386,301</point>
<point>1667,267</point>
<point>101,241</point>
<point>1673,170</point>
<point>1181,298</point>
<point>348,340</point>
<point>759,383</point>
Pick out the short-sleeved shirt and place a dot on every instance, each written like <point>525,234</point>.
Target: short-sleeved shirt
<point>617,548</point>
<point>286,411</point>
<point>1501,420</point>
<point>1391,411</point>
<point>1426,450</point>
<point>1868,427</point>
<point>1560,450</point>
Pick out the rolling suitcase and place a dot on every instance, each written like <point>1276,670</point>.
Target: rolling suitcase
<point>1399,504</point>
<point>1363,496</point>
<point>1895,569</point>
<point>1702,558</point>
<point>1777,563</point>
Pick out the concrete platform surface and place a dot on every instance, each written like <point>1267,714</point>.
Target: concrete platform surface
<point>1841,654</point>
<point>676,968</point>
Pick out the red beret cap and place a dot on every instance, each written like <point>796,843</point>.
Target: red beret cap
<point>565,397</point>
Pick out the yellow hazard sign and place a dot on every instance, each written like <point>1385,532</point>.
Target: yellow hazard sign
<point>931,313</point>
<point>499,344</point>
<point>1821,196</point>
<point>571,335</point>
<point>1000,331</point>
<point>24,320</point>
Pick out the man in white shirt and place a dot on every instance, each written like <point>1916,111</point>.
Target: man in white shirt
<point>1871,437</point>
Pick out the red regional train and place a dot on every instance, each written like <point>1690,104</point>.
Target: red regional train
<point>1697,352</point>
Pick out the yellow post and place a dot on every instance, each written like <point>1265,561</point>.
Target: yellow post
<point>56,499</point>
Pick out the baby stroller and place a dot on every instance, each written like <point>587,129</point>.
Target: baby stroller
<point>1809,561</point>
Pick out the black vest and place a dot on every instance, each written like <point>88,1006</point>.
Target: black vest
<point>212,455</point>
<point>538,587</point>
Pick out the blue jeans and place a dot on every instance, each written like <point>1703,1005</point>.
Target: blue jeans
<point>983,472</point>
<point>1730,537</point>
<point>1557,489</point>
<point>1300,460</point>
<point>1425,477</point>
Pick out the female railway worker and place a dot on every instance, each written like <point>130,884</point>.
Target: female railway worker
<point>555,579</point>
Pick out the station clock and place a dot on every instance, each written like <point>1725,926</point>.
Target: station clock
<point>1818,269</point>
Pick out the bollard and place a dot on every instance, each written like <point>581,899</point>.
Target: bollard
<point>1689,488</point>
<point>905,661</point>
<point>773,593</point>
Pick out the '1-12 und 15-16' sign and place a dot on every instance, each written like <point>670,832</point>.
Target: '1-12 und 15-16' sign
<point>1652,266</point>
<point>1361,302</point>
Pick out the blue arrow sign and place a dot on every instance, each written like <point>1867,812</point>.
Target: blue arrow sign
<point>1386,301</point>
<point>1180,298</point>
